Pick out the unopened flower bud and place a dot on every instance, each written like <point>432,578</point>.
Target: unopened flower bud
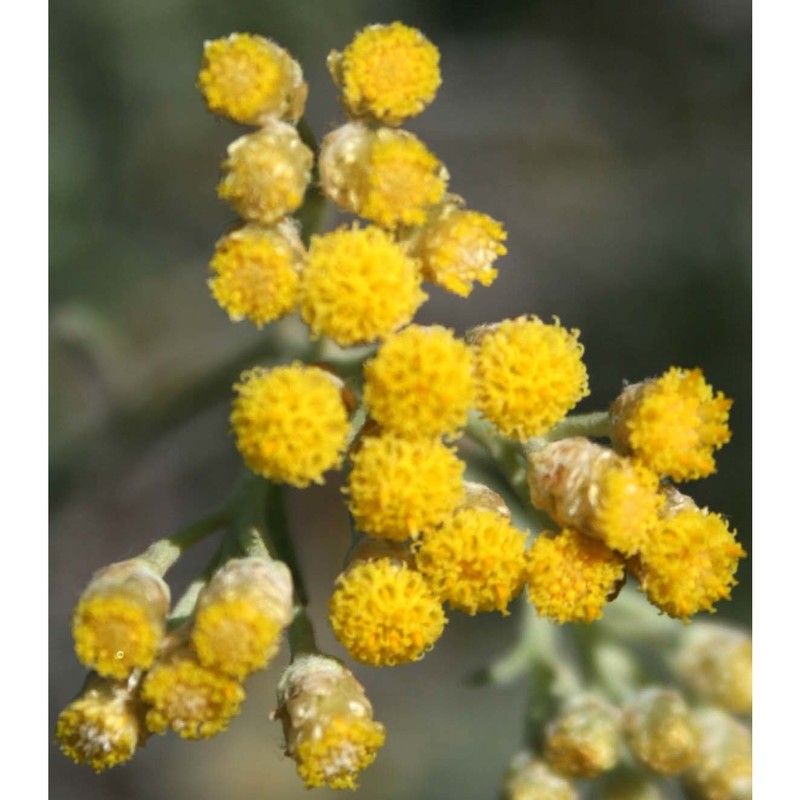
<point>385,175</point>
<point>327,721</point>
<point>104,725</point>
<point>532,778</point>
<point>716,661</point>
<point>585,486</point>
<point>584,739</point>
<point>120,619</point>
<point>724,770</point>
<point>660,731</point>
<point>266,173</point>
<point>241,614</point>
<point>477,495</point>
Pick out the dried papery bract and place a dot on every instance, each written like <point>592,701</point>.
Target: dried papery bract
<point>327,722</point>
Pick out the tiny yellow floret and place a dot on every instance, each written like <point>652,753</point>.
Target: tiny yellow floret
<point>266,173</point>
<point>102,727</point>
<point>387,73</point>
<point>673,424</point>
<point>194,701</point>
<point>256,272</point>
<point>385,613</point>
<point>290,423</point>
<point>457,248</point>
<point>420,382</point>
<point>529,375</point>
<point>385,175</point>
<point>358,286</point>
<point>687,564</point>
<point>400,487</point>
<point>250,79</point>
<point>570,576</point>
<point>474,560</point>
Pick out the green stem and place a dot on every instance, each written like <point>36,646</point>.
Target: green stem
<point>301,634</point>
<point>595,424</point>
<point>277,523</point>
<point>312,212</point>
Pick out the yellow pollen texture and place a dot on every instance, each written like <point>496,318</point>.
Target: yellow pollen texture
<point>570,576</point>
<point>529,375</point>
<point>399,487</point>
<point>290,423</point>
<point>401,179</point>
<point>266,173</point>
<point>243,77</point>
<point>114,634</point>
<point>420,382</point>
<point>388,72</point>
<point>384,613</point>
<point>678,423</point>
<point>358,286</point>
<point>688,563</point>
<point>235,636</point>
<point>190,699</point>
<point>343,748</point>
<point>255,274</point>
<point>458,248</point>
<point>474,560</point>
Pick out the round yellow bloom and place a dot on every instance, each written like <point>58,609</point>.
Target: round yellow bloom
<point>387,176</point>
<point>420,382</point>
<point>400,487</point>
<point>474,560</point>
<point>190,699</point>
<point>457,247</point>
<point>387,73</point>
<point>256,272</point>
<point>570,576</point>
<point>529,375</point>
<point>241,614</point>
<point>119,621</point>
<point>358,286</point>
<point>673,424</point>
<point>250,79</point>
<point>102,727</point>
<point>266,173</point>
<point>290,422</point>
<point>687,564</point>
<point>385,613</point>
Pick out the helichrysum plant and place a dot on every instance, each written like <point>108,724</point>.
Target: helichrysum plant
<point>400,408</point>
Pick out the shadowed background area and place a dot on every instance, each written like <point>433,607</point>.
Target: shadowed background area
<point>613,141</point>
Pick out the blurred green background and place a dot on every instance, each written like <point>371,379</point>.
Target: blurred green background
<point>612,139</point>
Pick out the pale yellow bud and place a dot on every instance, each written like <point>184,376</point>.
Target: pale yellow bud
<point>532,778</point>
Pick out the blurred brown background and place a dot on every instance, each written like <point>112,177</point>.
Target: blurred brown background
<point>612,139</point>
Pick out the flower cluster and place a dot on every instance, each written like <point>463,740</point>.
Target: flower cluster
<point>657,731</point>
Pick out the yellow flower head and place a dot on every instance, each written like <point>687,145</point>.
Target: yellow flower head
<point>290,423</point>
<point>673,424</point>
<point>585,486</point>
<point>194,701</point>
<point>474,560</point>
<point>420,382</point>
<point>400,487</point>
<point>266,173</point>
<point>660,731</point>
<point>241,614</point>
<point>119,620</point>
<point>570,576</point>
<point>256,272</point>
<point>584,739</point>
<point>387,73</point>
<point>530,777</point>
<point>529,375</point>
<point>385,175</point>
<point>358,286</point>
<point>327,721</point>
<point>457,247</point>
<point>103,726</point>
<point>250,79</point>
<point>687,564</point>
<point>385,613</point>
